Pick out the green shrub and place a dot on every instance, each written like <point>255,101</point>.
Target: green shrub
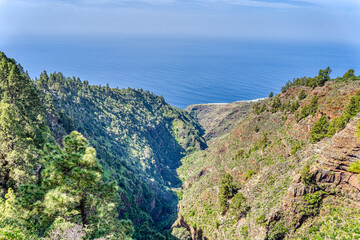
<point>354,167</point>
<point>353,107</point>
<point>313,202</point>
<point>261,220</point>
<point>226,191</point>
<point>277,230</point>
<point>313,229</point>
<point>294,106</point>
<point>262,143</point>
<point>263,108</point>
<point>249,174</point>
<point>256,108</point>
<point>285,107</point>
<point>323,76</point>
<point>296,147</point>
<point>336,125</point>
<point>302,95</point>
<point>275,104</point>
<point>239,154</point>
<point>11,233</point>
<point>239,205</point>
<point>244,231</point>
<point>181,233</point>
<point>352,110</point>
<point>309,109</point>
<point>320,129</point>
<point>349,75</point>
<point>306,175</point>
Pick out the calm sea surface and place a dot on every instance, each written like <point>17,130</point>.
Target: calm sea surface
<point>184,71</point>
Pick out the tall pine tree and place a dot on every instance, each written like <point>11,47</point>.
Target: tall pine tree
<point>23,127</point>
<point>76,192</point>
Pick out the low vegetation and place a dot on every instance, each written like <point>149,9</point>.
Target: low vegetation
<point>282,135</point>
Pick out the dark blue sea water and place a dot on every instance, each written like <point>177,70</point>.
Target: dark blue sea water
<point>184,71</point>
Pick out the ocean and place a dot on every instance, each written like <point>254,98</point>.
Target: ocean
<point>184,71</point>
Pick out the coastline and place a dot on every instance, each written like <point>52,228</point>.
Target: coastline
<point>236,102</point>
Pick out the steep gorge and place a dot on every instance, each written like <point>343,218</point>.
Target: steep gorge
<point>138,137</point>
<point>275,168</point>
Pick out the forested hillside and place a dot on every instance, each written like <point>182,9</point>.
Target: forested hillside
<point>48,191</point>
<point>139,140</point>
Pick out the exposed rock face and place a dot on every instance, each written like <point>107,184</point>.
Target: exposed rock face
<point>332,164</point>
<point>329,174</point>
<point>335,160</point>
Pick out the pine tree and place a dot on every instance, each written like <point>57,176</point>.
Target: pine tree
<point>22,126</point>
<point>320,129</point>
<point>349,75</point>
<point>226,191</point>
<point>76,192</point>
<point>302,94</point>
<point>324,75</point>
<point>12,222</point>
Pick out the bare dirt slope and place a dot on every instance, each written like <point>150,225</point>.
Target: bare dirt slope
<point>220,118</point>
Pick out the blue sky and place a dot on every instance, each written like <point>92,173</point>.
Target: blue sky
<point>290,20</point>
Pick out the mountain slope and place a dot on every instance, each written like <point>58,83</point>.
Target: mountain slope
<point>271,176</point>
<point>139,139</point>
<point>218,119</point>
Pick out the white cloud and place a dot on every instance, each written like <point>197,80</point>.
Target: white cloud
<point>104,3</point>
<point>333,2</point>
<point>289,3</point>
<point>252,3</point>
<point>249,3</point>
<point>219,18</point>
